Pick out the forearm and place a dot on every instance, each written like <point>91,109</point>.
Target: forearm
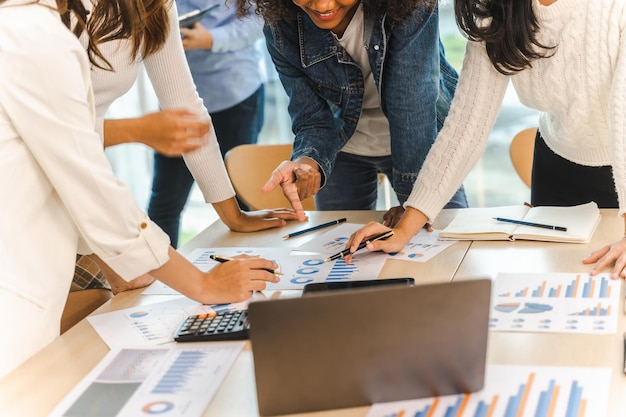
<point>181,275</point>
<point>229,212</point>
<point>411,222</point>
<point>118,131</point>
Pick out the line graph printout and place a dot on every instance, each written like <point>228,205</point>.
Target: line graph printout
<point>178,381</point>
<point>555,302</point>
<point>516,391</point>
<point>153,324</point>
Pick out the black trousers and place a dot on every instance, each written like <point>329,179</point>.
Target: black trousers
<point>557,181</point>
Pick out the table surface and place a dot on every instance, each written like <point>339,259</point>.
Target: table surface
<point>39,384</point>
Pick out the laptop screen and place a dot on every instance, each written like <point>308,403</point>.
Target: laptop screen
<point>354,348</point>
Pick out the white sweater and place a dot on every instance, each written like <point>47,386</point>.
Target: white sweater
<point>169,74</point>
<point>580,92</point>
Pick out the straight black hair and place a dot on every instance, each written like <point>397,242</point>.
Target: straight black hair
<point>507,27</point>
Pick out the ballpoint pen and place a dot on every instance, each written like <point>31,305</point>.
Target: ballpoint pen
<point>346,252</point>
<point>222,259</point>
<point>311,229</point>
<point>522,222</point>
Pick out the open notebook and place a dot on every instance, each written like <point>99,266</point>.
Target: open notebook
<point>480,224</point>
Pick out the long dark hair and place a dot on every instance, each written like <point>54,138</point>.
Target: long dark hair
<point>275,10</point>
<point>144,22</point>
<point>511,36</point>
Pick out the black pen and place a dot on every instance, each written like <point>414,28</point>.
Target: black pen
<point>311,229</point>
<point>543,226</point>
<point>222,259</point>
<point>346,252</point>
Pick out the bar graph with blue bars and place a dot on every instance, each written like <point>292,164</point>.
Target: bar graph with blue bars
<point>592,288</point>
<point>343,271</point>
<point>517,391</point>
<point>176,377</point>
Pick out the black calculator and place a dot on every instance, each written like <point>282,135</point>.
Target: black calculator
<point>225,325</point>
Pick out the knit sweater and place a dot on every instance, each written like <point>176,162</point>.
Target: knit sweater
<point>579,90</point>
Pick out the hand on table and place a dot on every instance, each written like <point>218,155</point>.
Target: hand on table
<point>392,217</point>
<point>298,181</point>
<point>253,221</point>
<point>611,254</point>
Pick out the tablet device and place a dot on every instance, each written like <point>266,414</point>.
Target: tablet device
<point>316,287</point>
<point>189,19</point>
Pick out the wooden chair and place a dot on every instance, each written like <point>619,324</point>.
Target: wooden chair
<point>249,168</point>
<point>521,151</point>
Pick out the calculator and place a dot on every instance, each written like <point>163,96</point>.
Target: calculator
<point>224,325</point>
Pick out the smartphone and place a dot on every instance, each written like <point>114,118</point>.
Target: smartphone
<point>317,287</point>
<point>189,19</point>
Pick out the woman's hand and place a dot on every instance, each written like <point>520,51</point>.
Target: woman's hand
<point>252,221</point>
<point>236,280</point>
<point>610,254</point>
<point>169,132</point>
<point>408,226</point>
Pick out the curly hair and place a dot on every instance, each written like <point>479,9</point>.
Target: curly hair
<point>511,35</point>
<point>275,10</point>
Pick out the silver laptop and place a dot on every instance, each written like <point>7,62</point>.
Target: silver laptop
<point>358,347</point>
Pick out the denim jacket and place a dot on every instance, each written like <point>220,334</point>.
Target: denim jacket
<point>325,87</point>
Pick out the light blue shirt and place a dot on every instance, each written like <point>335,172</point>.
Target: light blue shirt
<point>232,70</point>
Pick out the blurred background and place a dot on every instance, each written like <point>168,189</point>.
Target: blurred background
<point>492,182</point>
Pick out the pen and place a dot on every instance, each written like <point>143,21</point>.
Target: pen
<point>544,226</point>
<point>222,259</point>
<point>625,353</point>
<point>345,252</point>
<point>311,229</point>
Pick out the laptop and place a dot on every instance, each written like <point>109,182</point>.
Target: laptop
<point>359,347</point>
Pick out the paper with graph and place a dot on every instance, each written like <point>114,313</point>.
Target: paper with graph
<point>517,391</point>
<point>555,302</point>
<point>178,381</point>
<point>421,248</point>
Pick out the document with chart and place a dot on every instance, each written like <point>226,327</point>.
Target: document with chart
<point>555,302</point>
<point>422,247</point>
<point>153,324</point>
<point>178,381</point>
<point>517,391</point>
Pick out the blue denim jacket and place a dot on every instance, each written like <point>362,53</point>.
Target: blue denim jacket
<point>325,86</point>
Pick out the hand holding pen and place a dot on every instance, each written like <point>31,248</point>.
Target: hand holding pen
<point>222,259</point>
<point>346,252</point>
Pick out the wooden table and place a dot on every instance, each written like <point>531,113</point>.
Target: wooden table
<point>39,384</point>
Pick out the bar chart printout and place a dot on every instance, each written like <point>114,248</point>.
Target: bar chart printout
<point>555,302</point>
<point>176,382</point>
<point>516,391</point>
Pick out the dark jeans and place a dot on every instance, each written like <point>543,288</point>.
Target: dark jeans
<point>353,184</point>
<point>172,181</point>
<point>557,181</point>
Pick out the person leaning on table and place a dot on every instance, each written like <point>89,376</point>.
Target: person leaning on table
<point>567,59</point>
<point>58,189</point>
<point>149,35</point>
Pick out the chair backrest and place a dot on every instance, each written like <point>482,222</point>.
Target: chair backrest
<point>249,168</point>
<point>521,151</point>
